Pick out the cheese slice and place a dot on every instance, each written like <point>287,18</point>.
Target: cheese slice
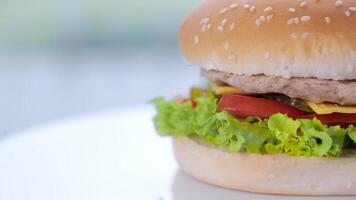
<point>221,90</point>
<point>328,108</point>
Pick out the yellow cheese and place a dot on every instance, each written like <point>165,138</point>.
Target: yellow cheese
<point>221,90</point>
<point>328,108</point>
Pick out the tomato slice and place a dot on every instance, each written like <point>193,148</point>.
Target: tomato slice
<point>334,119</point>
<point>245,106</point>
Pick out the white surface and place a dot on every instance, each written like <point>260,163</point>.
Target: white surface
<point>113,155</point>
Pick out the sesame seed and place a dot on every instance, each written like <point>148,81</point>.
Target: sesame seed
<point>305,18</point>
<point>203,28</point>
<point>226,45</point>
<point>258,22</point>
<point>296,20</point>
<point>222,11</point>
<point>327,20</point>
<point>220,28</point>
<point>353,9</point>
<point>232,57</point>
<point>347,13</point>
<point>252,8</point>
<point>263,18</point>
<point>269,17</point>
<point>267,55</point>
<point>290,21</point>
<point>196,39</point>
<point>204,20</point>
<point>294,36</point>
<point>247,6</point>
<point>338,3</point>
<point>349,69</point>
<point>292,10</point>
<point>353,54</point>
<point>269,8</point>
<point>303,4</point>
<point>305,35</point>
<point>325,51</point>
<point>232,26</point>
<point>271,176</point>
<point>234,5</point>
<point>223,22</point>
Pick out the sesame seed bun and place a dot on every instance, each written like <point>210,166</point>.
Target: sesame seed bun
<point>287,38</point>
<point>272,174</point>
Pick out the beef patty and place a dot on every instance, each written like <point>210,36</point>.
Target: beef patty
<point>311,89</point>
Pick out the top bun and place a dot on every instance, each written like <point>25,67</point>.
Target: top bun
<point>287,38</point>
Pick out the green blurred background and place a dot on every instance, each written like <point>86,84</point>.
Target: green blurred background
<point>48,23</point>
<point>65,58</point>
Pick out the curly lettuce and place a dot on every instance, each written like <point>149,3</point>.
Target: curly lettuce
<point>277,134</point>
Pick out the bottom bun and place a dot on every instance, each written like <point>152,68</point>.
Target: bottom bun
<point>269,174</point>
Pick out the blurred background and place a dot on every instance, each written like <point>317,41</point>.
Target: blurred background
<point>65,58</point>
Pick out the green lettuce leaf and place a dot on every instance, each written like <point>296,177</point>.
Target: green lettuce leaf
<point>278,134</point>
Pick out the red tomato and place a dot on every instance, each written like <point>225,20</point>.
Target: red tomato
<point>244,106</point>
<point>334,119</point>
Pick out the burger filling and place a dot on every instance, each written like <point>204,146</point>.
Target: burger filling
<point>234,114</point>
<point>310,89</point>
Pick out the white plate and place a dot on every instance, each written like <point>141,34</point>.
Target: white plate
<point>113,155</point>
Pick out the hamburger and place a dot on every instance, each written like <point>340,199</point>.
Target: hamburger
<point>279,113</point>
